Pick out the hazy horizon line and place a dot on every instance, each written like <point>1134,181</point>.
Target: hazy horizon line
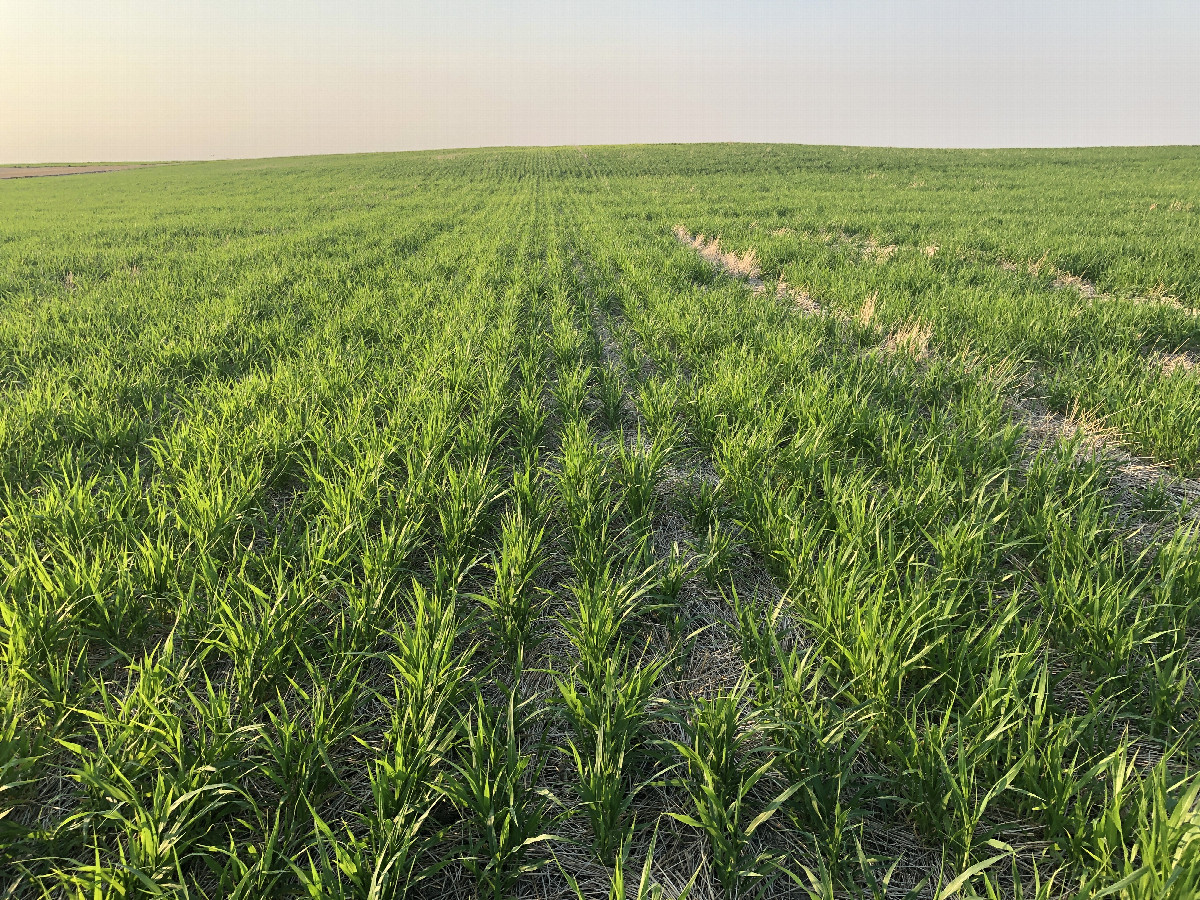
<point>535,146</point>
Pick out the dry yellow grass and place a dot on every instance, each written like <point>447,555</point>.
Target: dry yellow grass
<point>744,265</point>
<point>866,315</point>
<point>1170,363</point>
<point>1067,280</point>
<point>912,338</point>
<point>876,252</point>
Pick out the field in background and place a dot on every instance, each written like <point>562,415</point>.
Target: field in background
<point>753,520</point>
<point>7,172</point>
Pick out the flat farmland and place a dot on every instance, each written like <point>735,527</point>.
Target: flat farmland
<point>648,521</point>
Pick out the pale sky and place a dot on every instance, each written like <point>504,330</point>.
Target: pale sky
<point>164,79</point>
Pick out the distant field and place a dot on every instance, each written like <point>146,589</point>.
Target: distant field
<point>7,172</point>
<point>788,521</point>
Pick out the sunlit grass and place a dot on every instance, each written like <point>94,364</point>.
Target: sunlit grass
<point>397,526</point>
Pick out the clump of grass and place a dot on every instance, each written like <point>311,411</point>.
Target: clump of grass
<point>608,712</point>
<point>727,756</point>
<point>612,397</point>
<point>495,787</point>
<point>514,602</point>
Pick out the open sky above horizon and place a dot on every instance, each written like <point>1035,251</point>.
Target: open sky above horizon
<point>134,79</point>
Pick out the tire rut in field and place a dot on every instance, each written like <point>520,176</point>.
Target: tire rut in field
<point>745,268</point>
<point>1090,291</point>
<point>913,338</point>
<point>1132,476</point>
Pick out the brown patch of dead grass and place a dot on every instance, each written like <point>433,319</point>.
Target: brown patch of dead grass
<point>866,315</point>
<point>878,253</point>
<point>1066,280</point>
<point>1183,361</point>
<point>744,265</point>
<point>1088,290</point>
<point>1159,299</point>
<point>912,338</point>
<point>801,298</point>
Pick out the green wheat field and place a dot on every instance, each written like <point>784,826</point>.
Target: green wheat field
<point>658,521</point>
